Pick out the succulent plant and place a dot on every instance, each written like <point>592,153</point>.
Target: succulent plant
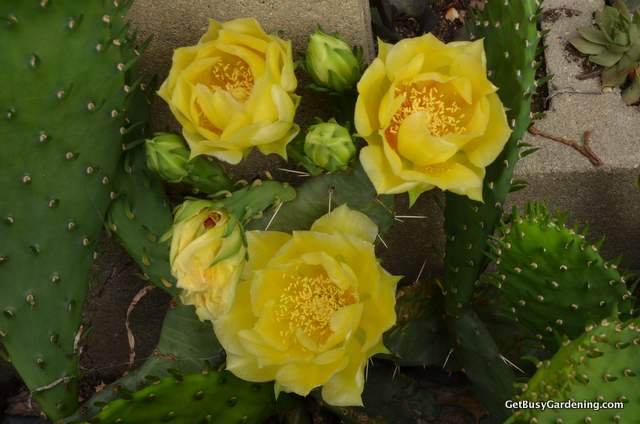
<point>614,43</point>
<point>205,397</point>
<point>510,31</point>
<point>140,216</point>
<point>66,104</point>
<point>600,366</point>
<point>554,280</point>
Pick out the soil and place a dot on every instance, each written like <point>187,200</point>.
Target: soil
<point>552,15</point>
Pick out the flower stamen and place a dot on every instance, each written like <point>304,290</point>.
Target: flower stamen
<point>234,77</point>
<point>444,114</point>
<point>308,303</point>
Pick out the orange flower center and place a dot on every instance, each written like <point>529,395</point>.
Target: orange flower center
<point>444,114</point>
<point>234,76</point>
<point>212,220</point>
<point>307,304</point>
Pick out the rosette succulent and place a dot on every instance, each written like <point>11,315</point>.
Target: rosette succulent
<point>311,308</point>
<point>329,145</point>
<point>233,91</point>
<point>332,63</point>
<point>614,43</point>
<point>430,116</point>
<point>207,256</point>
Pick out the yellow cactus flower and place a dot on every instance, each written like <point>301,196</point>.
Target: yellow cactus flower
<point>207,257</point>
<point>234,90</point>
<point>311,308</point>
<point>430,116</point>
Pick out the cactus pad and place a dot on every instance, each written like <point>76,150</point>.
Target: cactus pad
<point>65,92</point>
<point>600,366</point>
<point>207,397</point>
<point>140,216</point>
<point>554,280</point>
<point>509,29</point>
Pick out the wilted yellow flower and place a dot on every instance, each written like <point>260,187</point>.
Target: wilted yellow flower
<point>234,90</point>
<point>207,257</point>
<point>430,116</point>
<point>311,308</point>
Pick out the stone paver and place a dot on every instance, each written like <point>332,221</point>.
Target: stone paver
<point>606,198</point>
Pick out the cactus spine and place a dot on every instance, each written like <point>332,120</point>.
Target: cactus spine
<point>63,116</point>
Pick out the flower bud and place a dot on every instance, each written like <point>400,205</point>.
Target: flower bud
<point>329,146</point>
<point>207,256</point>
<point>168,156</point>
<point>332,63</point>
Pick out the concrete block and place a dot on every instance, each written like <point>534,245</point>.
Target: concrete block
<point>606,198</point>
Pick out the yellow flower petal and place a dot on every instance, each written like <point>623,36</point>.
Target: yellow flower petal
<point>302,378</point>
<point>380,173</point>
<point>249,26</point>
<point>405,50</point>
<point>344,220</point>
<point>417,145</point>
<point>371,88</point>
<point>263,245</point>
<point>485,149</point>
<point>457,175</point>
<point>379,313</point>
<point>228,326</point>
<point>345,388</point>
<point>383,49</point>
<point>247,368</point>
<point>212,32</point>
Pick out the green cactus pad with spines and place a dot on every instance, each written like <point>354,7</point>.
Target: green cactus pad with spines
<point>602,365</point>
<point>318,195</point>
<point>207,397</point>
<point>420,334</point>
<point>63,106</point>
<point>554,281</point>
<point>509,29</point>
<point>140,216</point>
<point>186,345</point>
<point>250,202</point>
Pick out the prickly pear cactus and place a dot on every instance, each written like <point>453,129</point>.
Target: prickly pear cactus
<point>510,34</point>
<point>140,216</point>
<point>207,397</point>
<point>509,29</point>
<point>250,202</point>
<point>554,280</point>
<point>318,195</point>
<point>65,92</point>
<point>600,366</point>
